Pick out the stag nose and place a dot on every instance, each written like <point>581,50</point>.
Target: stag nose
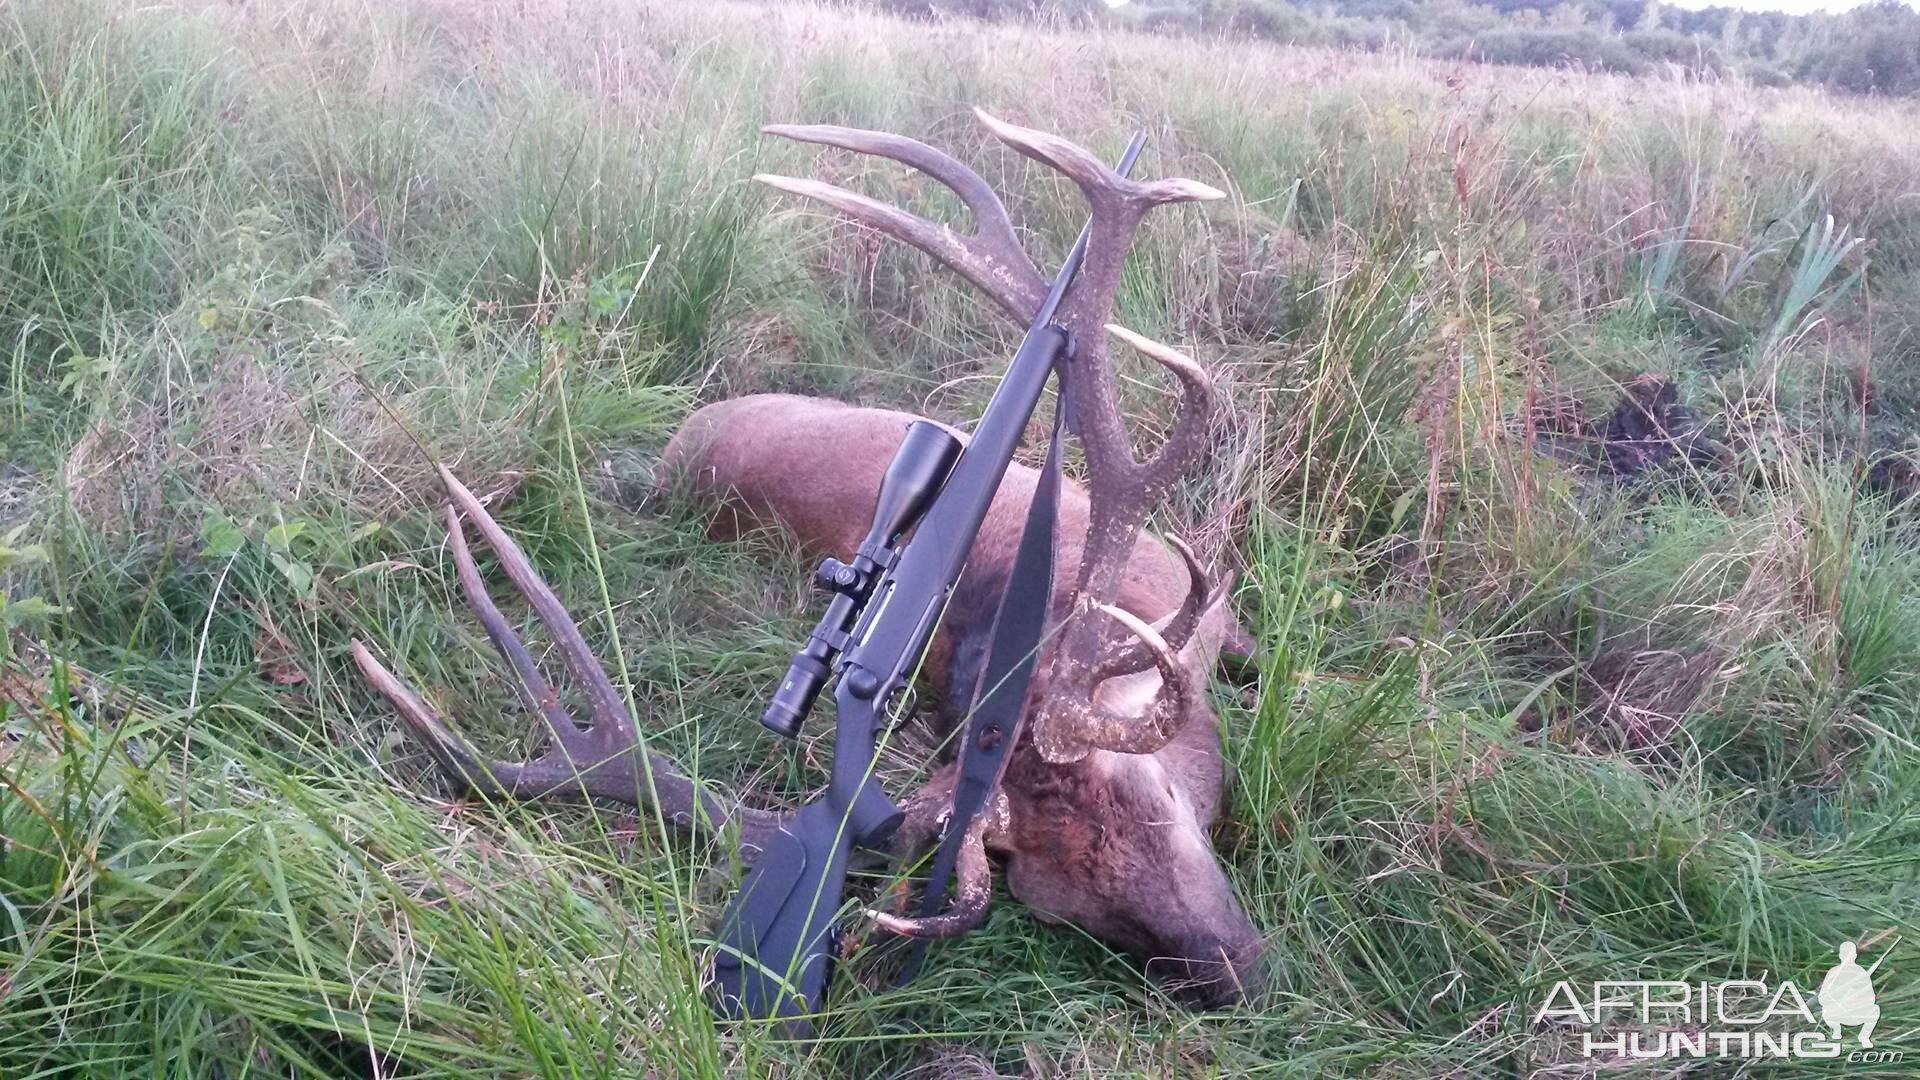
<point>1212,972</point>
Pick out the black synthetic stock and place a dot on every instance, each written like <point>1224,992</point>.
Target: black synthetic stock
<point>784,914</point>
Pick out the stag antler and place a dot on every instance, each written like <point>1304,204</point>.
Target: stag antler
<point>602,760</point>
<point>991,258</point>
<point>1124,694</point>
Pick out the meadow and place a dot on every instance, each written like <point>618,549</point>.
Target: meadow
<point>1512,719</point>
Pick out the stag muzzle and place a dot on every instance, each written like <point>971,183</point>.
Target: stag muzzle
<point>1189,936</point>
<point>1213,970</point>
<point>1196,943</point>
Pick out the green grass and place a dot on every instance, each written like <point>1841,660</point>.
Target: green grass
<point>1510,722</point>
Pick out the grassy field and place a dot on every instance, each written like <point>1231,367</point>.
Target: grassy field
<point>1512,720</point>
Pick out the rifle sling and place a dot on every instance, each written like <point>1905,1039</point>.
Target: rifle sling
<point>998,714</point>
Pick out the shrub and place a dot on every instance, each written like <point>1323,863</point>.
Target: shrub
<point>1554,47</point>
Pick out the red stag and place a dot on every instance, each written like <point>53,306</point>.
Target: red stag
<point>1105,809</point>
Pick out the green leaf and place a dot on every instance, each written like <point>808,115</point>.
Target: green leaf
<point>219,537</point>
<point>25,555</point>
<point>1403,504</point>
<point>29,609</point>
<point>603,298</point>
<point>299,575</point>
<point>281,536</point>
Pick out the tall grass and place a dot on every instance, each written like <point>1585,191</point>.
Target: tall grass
<point>1510,721</point>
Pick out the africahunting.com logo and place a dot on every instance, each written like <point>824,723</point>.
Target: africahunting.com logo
<point>1734,1018</point>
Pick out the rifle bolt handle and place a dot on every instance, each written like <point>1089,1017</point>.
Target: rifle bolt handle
<point>864,684</point>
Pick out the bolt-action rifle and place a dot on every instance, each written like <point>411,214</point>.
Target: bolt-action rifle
<point>777,935</point>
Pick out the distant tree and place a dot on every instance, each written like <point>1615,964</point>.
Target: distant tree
<point>1760,33</point>
<point>1270,19</point>
<point>1405,11</point>
<point>1667,46</point>
<point>1874,49</point>
<point>1555,47</point>
<point>1710,22</point>
<point>1625,14</point>
<point>1163,18</point>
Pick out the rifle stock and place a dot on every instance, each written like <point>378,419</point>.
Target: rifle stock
<point>777,933</point>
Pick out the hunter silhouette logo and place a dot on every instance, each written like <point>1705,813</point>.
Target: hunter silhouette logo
<point>1734,1018</point>
<point>1846,996</point>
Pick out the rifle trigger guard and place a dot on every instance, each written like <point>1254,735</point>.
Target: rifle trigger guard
<point>900,705</point>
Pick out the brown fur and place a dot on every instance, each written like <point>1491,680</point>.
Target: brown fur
<point>1116,844</point>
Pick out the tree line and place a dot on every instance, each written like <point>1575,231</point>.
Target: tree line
<point>1872,49</point>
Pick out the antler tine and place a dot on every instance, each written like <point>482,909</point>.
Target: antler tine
<point>989,214</point>
<point>1182,444</point>
<point>1133,656</point>
<point>972,891</point>
<point>604,703</point>
<point>449,751</point>
<point>602,761</point>
<point>991,257</point>
<point>1095,178</point>
<point>529,683</point>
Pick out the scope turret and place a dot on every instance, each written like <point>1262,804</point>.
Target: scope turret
<point>918,470</point>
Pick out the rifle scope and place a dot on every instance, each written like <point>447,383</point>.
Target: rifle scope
<point>918,470</point>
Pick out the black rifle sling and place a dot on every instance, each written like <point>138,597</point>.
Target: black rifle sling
<point>999,704</point>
